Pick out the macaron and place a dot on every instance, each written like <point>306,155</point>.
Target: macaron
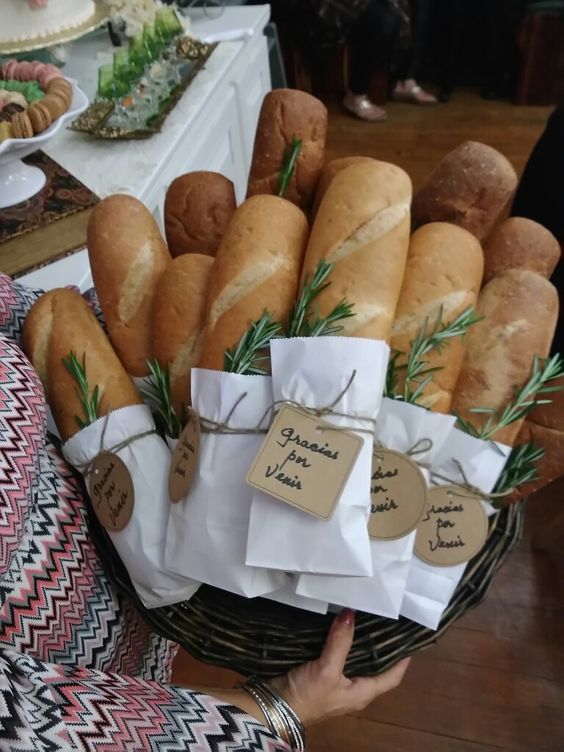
<point>55,105</point>
<point>23,71</point>
<point>21,125</point>
<point>7,65</point>
<point>15,97</point>
<point>6,131</point>
<point>13,107</point>
<point>9,68</point>
<point>10,110</point>
<point>62,88</point>
<point>48,74</point>
<point>39,117</point>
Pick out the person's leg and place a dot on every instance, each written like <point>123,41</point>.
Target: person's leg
<point>405,87</point>
<point>371,43</point>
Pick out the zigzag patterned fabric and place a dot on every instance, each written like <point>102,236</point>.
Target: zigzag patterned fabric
<point>59,708</point>
<point>79,669</point>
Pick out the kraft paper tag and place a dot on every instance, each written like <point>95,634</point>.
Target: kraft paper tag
<point>184,460</point>
<point>305,462</point>
<point>453,529</point>
<point>111,491</point>
<point>399,495</point>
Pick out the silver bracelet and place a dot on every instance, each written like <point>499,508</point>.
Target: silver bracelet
<point>276,716</point>
<point>283,721</point>
<point>272,722</point>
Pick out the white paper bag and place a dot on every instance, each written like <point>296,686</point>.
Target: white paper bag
<point>401,427</point>
<point>207,533</point>
<point>313,372</point>
<point>141,544</point>
<point>430,588</point>
<point>287,595</point>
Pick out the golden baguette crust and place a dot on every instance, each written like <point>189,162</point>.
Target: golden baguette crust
<point>469,187</point>
<point>362,226</point>
<point>520,310</point>
<point>197,210</point>
<point>520,243</point>
<point>36,336</point>
<point>286,113</point>
<point>73,327</point>
<point>257,268</point>
<point>443,271</point>
<point>329,171</point>
<point>179,317</point>
<point>127,256</point>
<point>550,467</point>
<point>552,415</point>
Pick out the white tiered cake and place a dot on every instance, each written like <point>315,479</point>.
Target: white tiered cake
<point>23,21</point>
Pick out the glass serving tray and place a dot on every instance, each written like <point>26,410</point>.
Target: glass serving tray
<point>142,112</point>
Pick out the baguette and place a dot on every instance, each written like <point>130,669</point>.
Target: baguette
<point>197,210</point>
<point>329,171</point>
<point>549,468</point>
<point>127,256</point>
<point>443,272</point>
<point>551,415</point>
<point>470,187</point>
<point>60,322</point>
<point>285,114</point>
<point>362,227</point>
<point>520,243</point>
<point>179,314</point>
<point>519,310</point>
<point>257,268</point>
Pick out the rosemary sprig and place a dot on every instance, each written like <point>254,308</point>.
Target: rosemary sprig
<point>520,467</point>
<point>417,371</point>
<point>524,400</point>
<point>299,324</point>
<point>90,402</point>
<point>289,162</point>
<point>250,354</point>
<point>158,393</point>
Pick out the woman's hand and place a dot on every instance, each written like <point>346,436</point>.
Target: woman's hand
<point>319,690</point>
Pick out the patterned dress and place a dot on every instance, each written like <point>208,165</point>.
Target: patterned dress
<point>79,669</point>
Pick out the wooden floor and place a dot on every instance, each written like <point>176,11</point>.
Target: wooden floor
<point>495,681</point>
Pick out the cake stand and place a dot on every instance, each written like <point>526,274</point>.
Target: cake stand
<point>19,181</point>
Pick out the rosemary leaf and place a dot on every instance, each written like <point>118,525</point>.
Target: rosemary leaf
<point>524,399</point>
<point>90,404</point>
<point>520,467</point>
<point>299,324</point>
<point>416,367</point>
<point>392,376</point>
<point>289,162</point>
<point>248,355</point>
<point>158,393</point>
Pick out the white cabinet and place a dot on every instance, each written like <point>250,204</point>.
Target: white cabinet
<point>251,86</point>
<point>211,128</point>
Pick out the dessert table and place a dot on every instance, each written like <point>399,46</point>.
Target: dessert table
<point>211,128</point>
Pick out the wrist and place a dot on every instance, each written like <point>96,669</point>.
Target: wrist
<point>282,718</point>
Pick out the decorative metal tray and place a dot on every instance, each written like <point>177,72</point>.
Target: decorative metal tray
<point>101,118</point>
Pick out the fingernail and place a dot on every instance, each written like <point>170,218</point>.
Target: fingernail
<point>346,617</point>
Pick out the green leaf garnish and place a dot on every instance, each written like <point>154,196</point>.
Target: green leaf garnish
<point>303,321</point>
<point>289,162</point>
<point>520,467</point>
<point>158,393</point>
<point>524,399</point>
<point>251,356</point>
<point>418,374</point>
<point>90,402</point>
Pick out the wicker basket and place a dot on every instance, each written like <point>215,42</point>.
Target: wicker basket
<point>257,636</point>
